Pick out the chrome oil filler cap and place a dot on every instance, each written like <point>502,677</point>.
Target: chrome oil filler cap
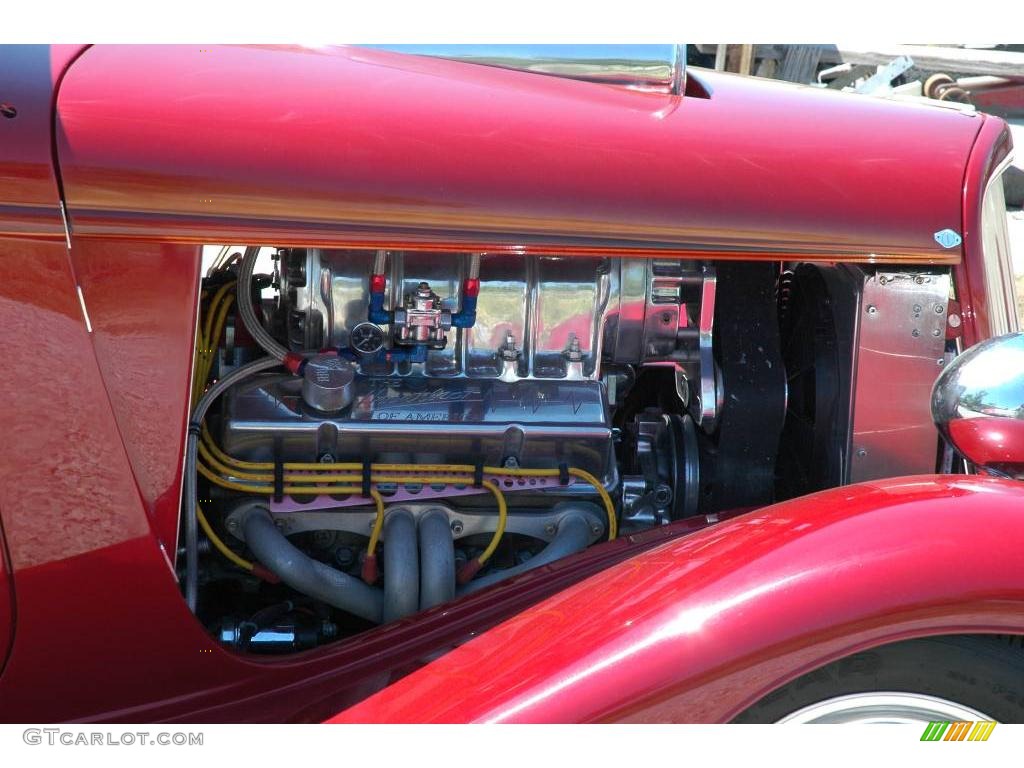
<point>327,383</point>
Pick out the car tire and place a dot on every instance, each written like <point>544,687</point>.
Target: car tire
<point>965,677</point>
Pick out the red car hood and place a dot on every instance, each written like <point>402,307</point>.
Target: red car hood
<point>367,148</point>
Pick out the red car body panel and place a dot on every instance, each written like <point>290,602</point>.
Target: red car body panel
<point>143,349</point>
<point>702,627</point>
<point>161,149</point>
<point>354,147</point>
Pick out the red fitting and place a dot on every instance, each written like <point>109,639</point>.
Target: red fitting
<point>468,571</point>
<point>293,362</point>
<point>471,287</point>
<point>263,573</point>
<point>370,570</point>
<point>377,283</point>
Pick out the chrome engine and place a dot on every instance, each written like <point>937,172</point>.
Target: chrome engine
<point>526,373</point>
<point>482,414</point>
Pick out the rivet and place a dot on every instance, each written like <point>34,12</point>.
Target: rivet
<point>872,309</point>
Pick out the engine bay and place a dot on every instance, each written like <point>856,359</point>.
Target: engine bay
<point>376,433</point>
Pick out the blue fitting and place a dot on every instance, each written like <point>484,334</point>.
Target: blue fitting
<point>466,316</point>
<point>377,314</point>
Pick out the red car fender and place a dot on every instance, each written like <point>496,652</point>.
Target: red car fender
<point>699,629</point>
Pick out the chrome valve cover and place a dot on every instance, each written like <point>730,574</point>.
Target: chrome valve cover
<point>530,424</point>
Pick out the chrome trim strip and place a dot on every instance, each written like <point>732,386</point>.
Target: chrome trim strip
<point>643,67</point>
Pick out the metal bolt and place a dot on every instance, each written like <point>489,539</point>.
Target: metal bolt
<point>941,361</point>
<point>862,452</point>
<point>936,332</point>
<point>915,333</point>
<point>883,279</point>
<point>232,525</point>
<point>872,309</point>
<point>939,309</point>
<point>662,495</point>
<point>550,529</point>
<point>344,557</point>
<point>917,307</point>
<point>921,279</point>
<point>954,320</point>
<point>327,459</point>
<point>8,110</point>
<point>508,351</point>
<point>596,529</point>
<point>572,351</point>
<point>457,527</point>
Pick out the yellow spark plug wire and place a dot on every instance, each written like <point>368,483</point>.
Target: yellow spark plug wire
<point>208,333</point>
<point>227,465</point>
<point>224,462</point>
<point>221,547</point>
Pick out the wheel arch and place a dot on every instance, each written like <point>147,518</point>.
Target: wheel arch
<point>855,672</point>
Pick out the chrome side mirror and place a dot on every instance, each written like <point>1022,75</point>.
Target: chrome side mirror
<point>978,405</point>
